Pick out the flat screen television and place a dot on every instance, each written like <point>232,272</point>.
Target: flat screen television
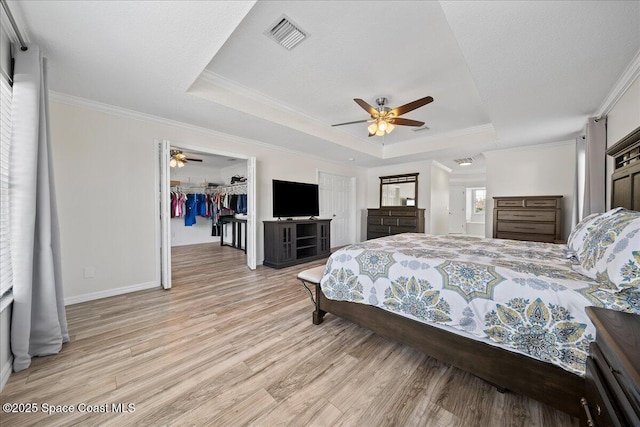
<point>292,199</point>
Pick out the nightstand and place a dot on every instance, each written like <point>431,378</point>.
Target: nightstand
<point>613,370</point>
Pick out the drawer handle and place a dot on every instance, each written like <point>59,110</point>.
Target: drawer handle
<point>525,216</point>
<point>524,228</point>
<point>585,406</point>
<point>613,370</point>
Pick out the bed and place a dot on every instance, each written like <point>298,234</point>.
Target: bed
<point>509,312</point>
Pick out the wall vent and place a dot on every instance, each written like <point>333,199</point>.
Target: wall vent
<point>286,33</point>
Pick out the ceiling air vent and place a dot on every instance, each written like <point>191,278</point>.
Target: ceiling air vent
<point>464,162</point>
<point>286,33</point>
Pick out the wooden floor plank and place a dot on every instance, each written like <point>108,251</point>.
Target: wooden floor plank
<point>231,346</point>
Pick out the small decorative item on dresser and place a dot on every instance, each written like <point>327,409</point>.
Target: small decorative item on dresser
<point>613,370</point>
<point>534,218</point>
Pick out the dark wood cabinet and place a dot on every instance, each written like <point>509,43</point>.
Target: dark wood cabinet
<point>533,218</point>
<point>289,243</point>
<point>612,378</point>
<point>394,220</point>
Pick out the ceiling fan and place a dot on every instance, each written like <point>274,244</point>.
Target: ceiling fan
<point>384,119</point>
<point>179,159</point>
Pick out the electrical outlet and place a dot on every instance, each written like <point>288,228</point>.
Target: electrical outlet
<point>89,272</point>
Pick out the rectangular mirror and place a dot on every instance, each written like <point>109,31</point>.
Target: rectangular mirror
<point>399,190</point>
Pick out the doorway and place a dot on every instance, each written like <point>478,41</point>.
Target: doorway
<point>164,176</point>
<point>457,211</point>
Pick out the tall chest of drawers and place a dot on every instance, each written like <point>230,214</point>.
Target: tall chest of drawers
<point>388,221</point>
<point>533,218</point>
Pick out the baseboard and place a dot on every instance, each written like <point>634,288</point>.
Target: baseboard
<point>110,293</point>
<point>5,373</point>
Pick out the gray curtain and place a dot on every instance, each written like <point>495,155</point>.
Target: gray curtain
<point>595,163</point>
<point>38,322</point>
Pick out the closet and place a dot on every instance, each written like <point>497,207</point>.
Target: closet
<point>208,201</point>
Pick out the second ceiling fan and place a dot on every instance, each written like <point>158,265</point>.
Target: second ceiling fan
<point>384,119</point>
<point>177,158</point>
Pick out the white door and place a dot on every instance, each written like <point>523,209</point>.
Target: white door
<point>457,213</point>
<point>165,216</point>
<point>337,201</point>
<point>251,213</point>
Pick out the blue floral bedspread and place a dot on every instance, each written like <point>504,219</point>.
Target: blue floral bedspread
<point>523,296</point>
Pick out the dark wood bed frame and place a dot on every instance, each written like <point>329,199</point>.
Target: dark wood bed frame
<point>502,368</point>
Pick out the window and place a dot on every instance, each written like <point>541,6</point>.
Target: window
<point>476,204</point>
<point>6,274</point>
<point>478,196</point>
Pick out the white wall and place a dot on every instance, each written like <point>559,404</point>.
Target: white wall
<point>547,170</point>
<point>239,168</point>
<point>196,174</point>
<point>439,221</point>
<point>104,166</point>
<point>625,114</point>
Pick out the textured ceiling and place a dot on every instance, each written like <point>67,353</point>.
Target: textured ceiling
<point>502,73</point>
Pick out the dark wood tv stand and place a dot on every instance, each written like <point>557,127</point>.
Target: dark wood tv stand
<point>291,242</point>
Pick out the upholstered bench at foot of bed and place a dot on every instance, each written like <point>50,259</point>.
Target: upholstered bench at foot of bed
<point>313,276</point>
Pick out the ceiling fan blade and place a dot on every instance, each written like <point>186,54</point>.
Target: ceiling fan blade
<point>350,123</point>
<point>368,108</point>
<point>406,122</point>
<point>403,109</point>
<point>192,160</point>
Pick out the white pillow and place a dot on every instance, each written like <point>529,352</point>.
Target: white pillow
<point>611,249</point>
<point>579,232</point>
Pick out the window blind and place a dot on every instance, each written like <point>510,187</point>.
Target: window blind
<point>6,273</point>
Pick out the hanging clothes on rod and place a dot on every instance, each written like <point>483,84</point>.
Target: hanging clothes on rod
<point>227,201</point>
<point>189,202</point>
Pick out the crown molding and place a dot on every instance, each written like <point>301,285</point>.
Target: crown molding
<point>630,74</point>
<point>461,137</point>
<point>259,97</point>
<point>75,101</point>
<point>530,147</point>
<point>216,88</point>
<point>441,166</point>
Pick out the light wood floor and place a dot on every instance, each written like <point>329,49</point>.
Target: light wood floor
<point>228,347</point>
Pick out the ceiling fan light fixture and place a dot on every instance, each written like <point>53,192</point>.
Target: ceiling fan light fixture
<point>178,159</point>
<point>384,119</point>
